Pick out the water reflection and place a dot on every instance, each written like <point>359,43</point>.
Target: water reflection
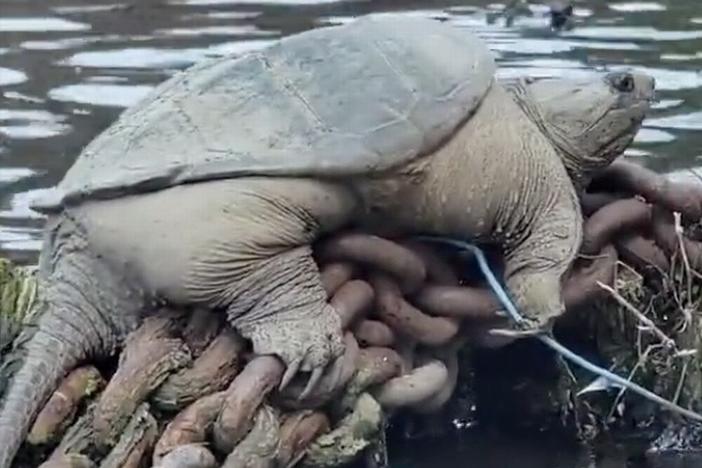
<point>40,25</point>
<point>637,6</point>
<point>97,94</point>
<point>31,124</point>
<point>134,58</point>
<point>69,67</point>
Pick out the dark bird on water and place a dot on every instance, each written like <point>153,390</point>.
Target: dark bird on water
<point>560,13</point>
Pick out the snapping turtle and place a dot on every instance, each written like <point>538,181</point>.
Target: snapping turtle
<point>210,192</point>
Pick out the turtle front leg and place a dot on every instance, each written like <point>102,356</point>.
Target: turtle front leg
<point>290,317</point>
<point>535,269</point>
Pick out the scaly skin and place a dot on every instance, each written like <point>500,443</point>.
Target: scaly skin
<point>589,121</point>
<point>78,294</point>
<point>490,187</point>
<point>244,245</point>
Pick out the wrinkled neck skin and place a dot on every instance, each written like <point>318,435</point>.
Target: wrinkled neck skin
<point>581,166</point>
<point>463,188</point>
<point>497,180</point>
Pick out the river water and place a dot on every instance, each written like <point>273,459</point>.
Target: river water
<point>69,67</point>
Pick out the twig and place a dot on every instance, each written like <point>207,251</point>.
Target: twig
<point>683,374</point>
<point>630,377</point>
<point>551,342</point>
<point>667,342</point>
<point>630,268</point>
<point>685,353</point>
<point>683,252</point>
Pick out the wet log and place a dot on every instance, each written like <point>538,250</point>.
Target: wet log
<point>335,274</point>
<point>136,441</point>
<point>188,456</point>
<point>243,398</point>
<point>377,253</point>
<point>202,327</point>
<point>410,390</point>
<point>62,406</point>
<point>71,460</point>
<point>80,438</point>
<point>149,356</point>
<point>211,372</point>
<point>190,426</point>
<point>352,301</point>
<point>349,438</point>
<point>297,431</point>
<point>259,448</point>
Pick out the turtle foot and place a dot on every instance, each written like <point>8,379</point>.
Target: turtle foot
<point>309,344</point>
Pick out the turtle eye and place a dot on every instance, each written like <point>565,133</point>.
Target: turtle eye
<point>623,82</point>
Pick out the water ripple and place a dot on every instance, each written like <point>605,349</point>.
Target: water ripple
<point>637,6</point>
<point>19,205</point>
<point>10,77</point>
<point>90,8</point>
<point>649,135</point>
<point>112,95</point>
<point>25,239</point>
<point>240,30</point>
<point>692,121</point>
<point>134,58</point>
<point>642,33</point>
<point>40,25</point>
<point>31,124</point>
<point>255,2</point>
<point>58,44</point>
<point>13,174</point>
<point>669,80</point>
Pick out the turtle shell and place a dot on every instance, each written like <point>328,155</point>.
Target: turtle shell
<point>329,102</point>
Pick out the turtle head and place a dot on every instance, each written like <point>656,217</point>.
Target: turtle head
<point>589,120</point>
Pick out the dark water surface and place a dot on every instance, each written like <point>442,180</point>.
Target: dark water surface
<point>69,67</point>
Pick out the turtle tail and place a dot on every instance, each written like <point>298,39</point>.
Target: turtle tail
<point>48,356</point>
<point>74,324</point>
<point>64,337</point>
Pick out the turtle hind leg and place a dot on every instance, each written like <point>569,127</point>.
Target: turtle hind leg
<point>237,245</point>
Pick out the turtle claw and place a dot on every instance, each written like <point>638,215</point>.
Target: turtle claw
<point>312,383</point>
<point>289,374</point>
<point>303,344</point>
<point>338,370</point>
